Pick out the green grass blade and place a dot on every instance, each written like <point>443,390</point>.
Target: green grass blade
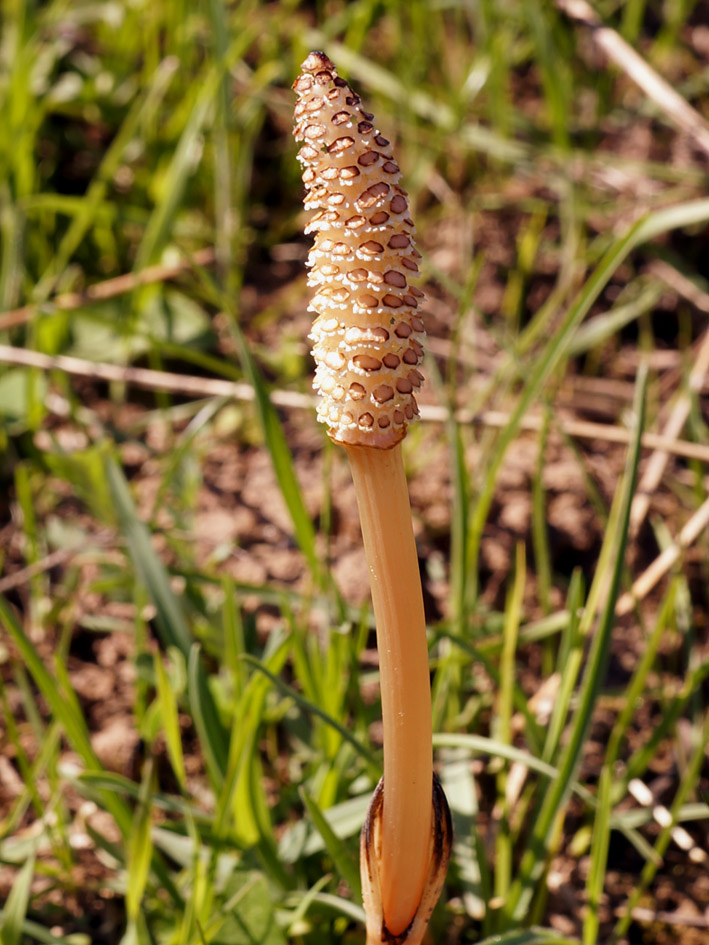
<point>687,214</point>
<point>282,461</point>
<point>608,788</point>
<point>212,736</point>
<point>62,710</point>
<point>313,709</point>
<point>481,744</point>
<point>503,727</point>
<point>107,780</point>
<point>599,329</point>
<point>15,910</point>
<point>459,523</point>
<point>529,937</point>
<point>146,104</point>
<point>248,717</point>
<point>171,621</point>
<point>534,857</point>
<point>558,93</point>
<point>309,897</point>
<point>234,643</point>
<point>469,856</point>
<point>341,855</point>
<point>532,727</point>
<point>180,169</point>
<point>688,783</point>
<point>634,690</point>
<point>140,847</point>
<point>641,757</point>
<point>344,819</point>
<point>150,569</point>
<point>568,665</point>
<point>599,858</point>
<point>38,933</point>
<point>540,534</point>
<point>266,845</point>
<point>446,685</point>
<point>274,438</point>
<point>170,720</point>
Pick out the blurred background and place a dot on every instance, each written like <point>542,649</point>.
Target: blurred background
<point>188,682</point>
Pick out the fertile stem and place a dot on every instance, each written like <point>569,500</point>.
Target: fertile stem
<point>367,347</point>
<point>385,515</point>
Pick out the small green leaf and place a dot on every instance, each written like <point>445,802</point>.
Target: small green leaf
<point>15,393</point>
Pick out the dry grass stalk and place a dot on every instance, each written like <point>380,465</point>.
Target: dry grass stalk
<point>109,289</point>
<point>695,527</point>
<point>657,463</point>
<point>187,385</point>
<point>676,109</point>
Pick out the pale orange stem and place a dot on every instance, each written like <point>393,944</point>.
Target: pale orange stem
<point>385,515</point>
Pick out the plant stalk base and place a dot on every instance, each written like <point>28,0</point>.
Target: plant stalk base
<point>370,851</point>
